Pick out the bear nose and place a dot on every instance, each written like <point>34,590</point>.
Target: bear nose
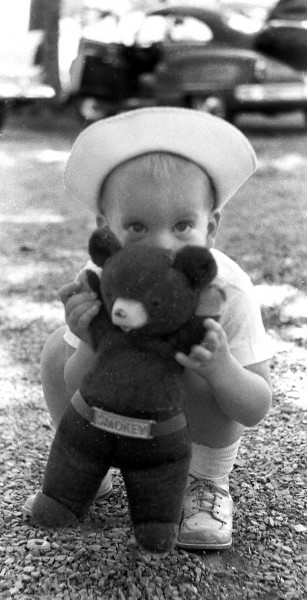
<point>120,313</point>
<point>128,314</point>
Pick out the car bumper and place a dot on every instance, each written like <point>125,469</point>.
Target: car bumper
<point>285,94</point>
<point>12,91</point>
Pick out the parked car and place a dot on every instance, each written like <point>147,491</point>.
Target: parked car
<point>21,80</point>
<point>184,55</point>
<point>284,35</point>
<point>249,15</point>
<point>105,75</point>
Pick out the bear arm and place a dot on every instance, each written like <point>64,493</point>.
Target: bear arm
<point>101,323</point>
<point>99,326</point>
<point>190,334</point>
<point>94,282</point>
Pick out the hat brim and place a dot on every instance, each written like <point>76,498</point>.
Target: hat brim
<point>215,145</point>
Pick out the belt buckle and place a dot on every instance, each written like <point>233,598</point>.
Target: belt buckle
<point>122,425</point>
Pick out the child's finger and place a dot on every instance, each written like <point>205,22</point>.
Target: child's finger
<point>200,354</point>
<point>211,341</point>
<point>83,281</point>
<point>88,316</point>
<point>68,290</point>
<point>183,360</point>
<point>212,325</point>
<point>193,361</point>
<point>215,334</point>
<point>76,312</point>
<point>79,299</point>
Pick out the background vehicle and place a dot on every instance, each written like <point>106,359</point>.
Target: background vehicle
<point>183,55</point>
<point>225,75</point>
<point>248,15</point>
<point>105,74</point>
<point>284,34</point>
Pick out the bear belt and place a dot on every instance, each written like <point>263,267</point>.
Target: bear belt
<point>127,426</point>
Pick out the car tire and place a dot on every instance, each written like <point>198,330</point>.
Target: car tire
<point>91,109</point>
<point>215,105</point>
<point>2,114</point>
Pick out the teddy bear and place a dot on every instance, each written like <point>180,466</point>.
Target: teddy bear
<point>129,410</point>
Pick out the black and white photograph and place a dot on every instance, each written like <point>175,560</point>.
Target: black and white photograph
<point>153,299</point>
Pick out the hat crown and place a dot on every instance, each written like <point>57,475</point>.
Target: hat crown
<point>212,143</point>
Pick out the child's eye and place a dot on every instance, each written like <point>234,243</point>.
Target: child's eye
<point>137,228</point>
<point>183,226</point>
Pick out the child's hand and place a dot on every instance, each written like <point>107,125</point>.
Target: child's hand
<point>81,306</point>
<point>213,354</point>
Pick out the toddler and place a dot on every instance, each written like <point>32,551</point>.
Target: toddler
<point>161,176</point>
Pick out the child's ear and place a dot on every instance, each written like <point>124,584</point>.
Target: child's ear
<point>197,263</point>
<point>213,225</point>
<point>103,244</point>
<point>101,221</point>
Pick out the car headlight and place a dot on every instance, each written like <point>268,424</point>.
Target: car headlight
<point>260,69</point>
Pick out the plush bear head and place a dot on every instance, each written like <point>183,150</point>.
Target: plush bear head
<point>146,289</point>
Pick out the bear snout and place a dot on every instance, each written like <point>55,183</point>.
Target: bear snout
<point>128,314</point>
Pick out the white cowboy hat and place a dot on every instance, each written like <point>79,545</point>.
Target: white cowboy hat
<point>218,147</point>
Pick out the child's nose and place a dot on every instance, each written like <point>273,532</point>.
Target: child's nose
<point>165,240</point>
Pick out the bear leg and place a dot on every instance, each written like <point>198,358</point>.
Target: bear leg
<point>155,536</point>
<point>155,497</point>
<point>50,513</point>
<point>73,473</point>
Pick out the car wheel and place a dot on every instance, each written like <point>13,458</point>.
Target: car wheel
<point>92,109</point>
<point>2,114</point>
<point>215,105</point>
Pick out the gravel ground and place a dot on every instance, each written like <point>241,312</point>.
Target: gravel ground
<point>98,558</point>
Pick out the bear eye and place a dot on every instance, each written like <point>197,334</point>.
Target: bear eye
<point>155,302</point>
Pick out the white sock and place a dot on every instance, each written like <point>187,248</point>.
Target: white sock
<point>213,463</point>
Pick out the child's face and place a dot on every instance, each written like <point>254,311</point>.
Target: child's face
<point>160,209</point>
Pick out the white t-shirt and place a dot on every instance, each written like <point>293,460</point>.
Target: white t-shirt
<point>241,317</point>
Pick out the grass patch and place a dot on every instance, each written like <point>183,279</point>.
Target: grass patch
<point>263,228</point>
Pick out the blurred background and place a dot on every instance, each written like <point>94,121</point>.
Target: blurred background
<point>227,57</point>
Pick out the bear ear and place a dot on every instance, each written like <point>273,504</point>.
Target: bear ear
<point>197,263</point>
<point>103,244</point>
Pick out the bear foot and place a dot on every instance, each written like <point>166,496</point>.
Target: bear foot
<point>50,513</point>
<point>156,537</point>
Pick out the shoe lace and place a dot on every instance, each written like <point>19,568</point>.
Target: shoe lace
<point>204,496</point>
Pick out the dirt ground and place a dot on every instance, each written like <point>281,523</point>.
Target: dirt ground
<point>43,244</point>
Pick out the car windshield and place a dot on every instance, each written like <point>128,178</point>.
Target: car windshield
<point>158,28</point>
<point>103,29</point>
<point>113,29</point>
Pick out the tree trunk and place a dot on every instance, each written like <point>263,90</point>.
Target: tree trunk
<point>45,14</point>
<point>51,39</point>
